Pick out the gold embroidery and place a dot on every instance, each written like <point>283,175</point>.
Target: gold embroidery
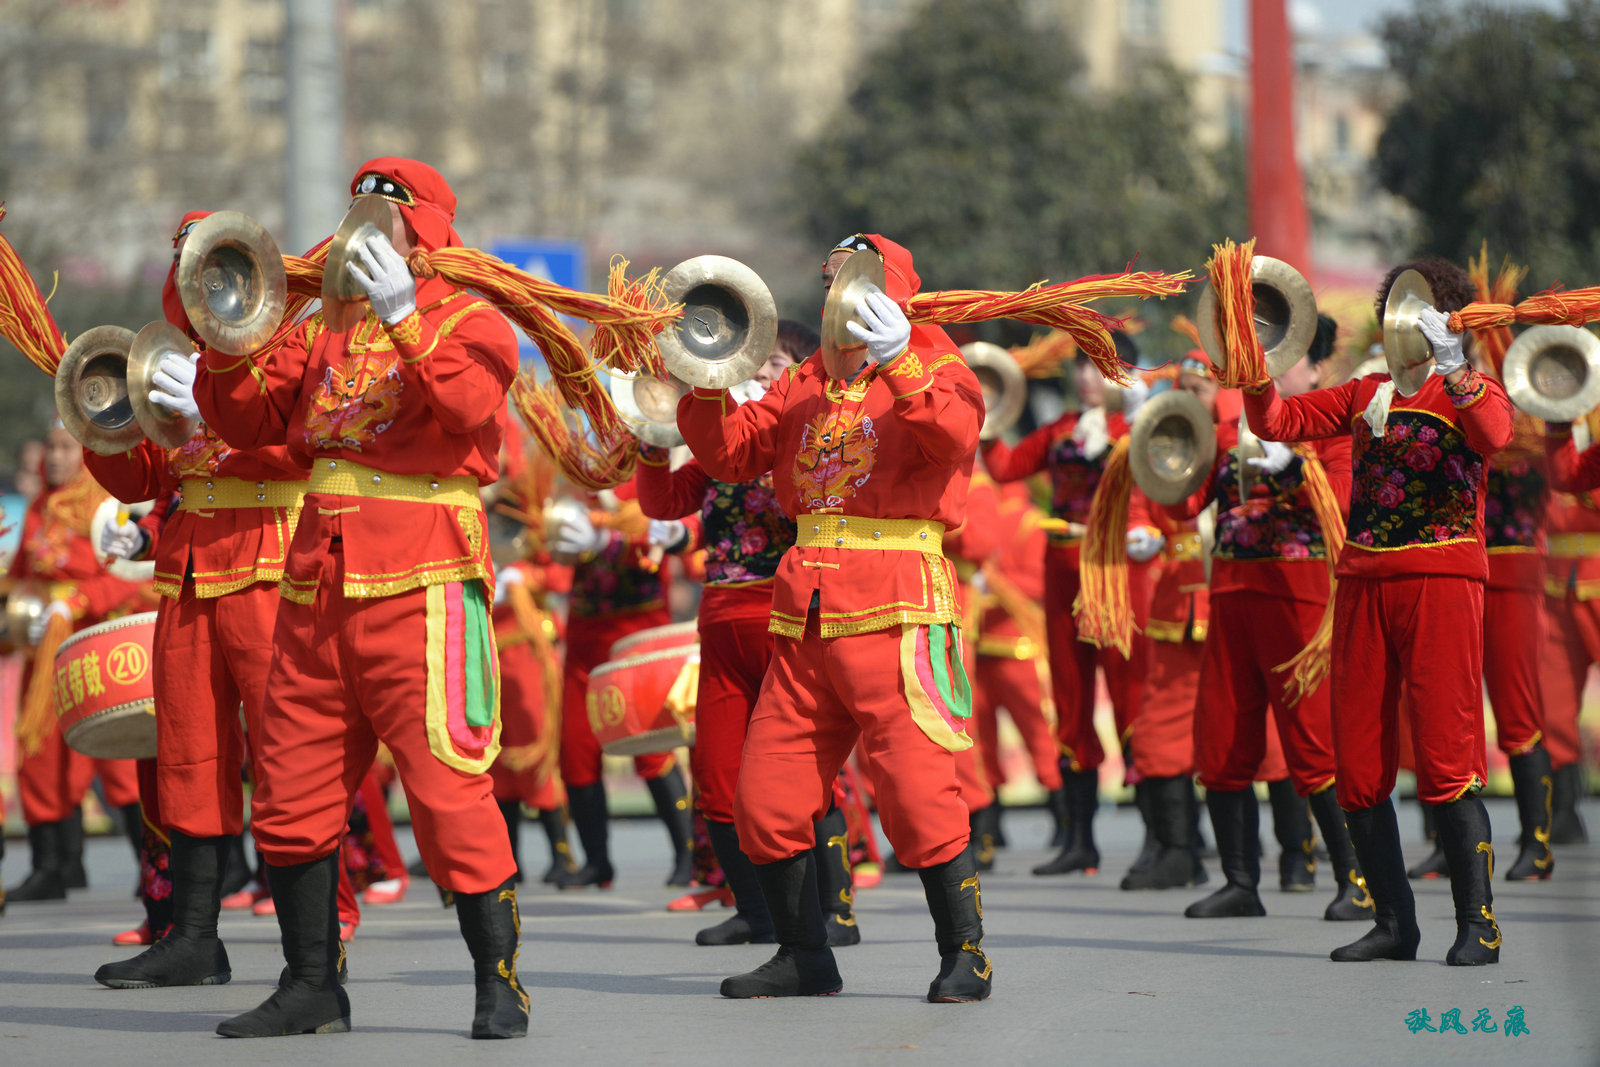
<point>907,365</point>
<point>408,331</point>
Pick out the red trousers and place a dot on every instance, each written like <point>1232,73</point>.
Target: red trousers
<point>589,642</point>
<point>210,658</point>
<point>1242,692</point>
<point>522,718</point>
<point>819,697</point>
<point>53,781</point>
<point>1513,637</point>
<point>1014,684</point>
<point>1421,637</point>
<point>1072,662</point>
<point>1572,644</point>
<point>345,674</point>
<point>1163,732</point>
<point>734,656</point>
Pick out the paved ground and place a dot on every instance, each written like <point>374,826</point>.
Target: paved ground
<point>1082,972</point>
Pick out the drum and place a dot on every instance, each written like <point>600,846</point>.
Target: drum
<point>656,638</point>
<point>104,692</point>
<point>645,703</point>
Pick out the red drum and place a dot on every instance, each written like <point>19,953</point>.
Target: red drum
<point>104,692</point>
<point>655,638</point>
<point>645,703</point>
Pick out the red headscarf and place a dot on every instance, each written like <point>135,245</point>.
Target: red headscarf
<point>901,283</point>
<point>171,302</point>
<point>421,193</point>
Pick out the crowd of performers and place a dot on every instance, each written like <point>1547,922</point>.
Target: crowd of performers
<point>337,612</point>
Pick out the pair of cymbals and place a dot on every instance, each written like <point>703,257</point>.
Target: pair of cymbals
<point>1005,387</point>
<point>103,387</point>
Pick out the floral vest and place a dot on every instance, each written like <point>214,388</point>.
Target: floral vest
<point>1277,526</point>
<point>746,532</point>
<point>1513,509</point>
<point>1416,485</point>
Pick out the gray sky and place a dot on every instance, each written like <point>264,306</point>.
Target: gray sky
<point>1342,17</point>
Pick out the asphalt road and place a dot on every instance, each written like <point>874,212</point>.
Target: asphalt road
<point>1083,973</point>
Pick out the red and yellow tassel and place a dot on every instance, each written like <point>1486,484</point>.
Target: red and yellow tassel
<point>25,320</point>
<point>1229,271</point>
<point>1309,667</point>
<point>1104,609</point>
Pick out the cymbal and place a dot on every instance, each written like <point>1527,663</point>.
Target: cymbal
<point>1553,372</point>
<point>1172,446</point>
<point>860,274</point>
<point>1285,316</point>
<point>231,278</point>
<point>92,391</point>
<point>162,425</point>
<point>1407,352</point>
<point>729,323</point>
<point>1005,388</point>
<point>344,302</point>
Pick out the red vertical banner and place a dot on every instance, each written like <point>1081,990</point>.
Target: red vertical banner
<point>1278,215</point>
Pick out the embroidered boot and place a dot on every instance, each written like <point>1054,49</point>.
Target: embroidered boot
<point>191,953</point>
<point>554,823</point>
<point>671,798</point>
<point>1375,835</point>
<point>956,903</point>
<point>492,928</point>
<point>1352,903</point>
<point>587,803</point>
<point>835,889</point>
<point>1291,825</point>
<point>1534,784</point>
<point>1236,822</point>
<point>803,965</point>
<point>1464,832</point>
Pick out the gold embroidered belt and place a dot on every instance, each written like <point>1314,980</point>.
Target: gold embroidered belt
<point>342,477</point>
<point>1184,548</point>
<point>210,494</point>
<point>1574,545</point>
<point>863,531</point>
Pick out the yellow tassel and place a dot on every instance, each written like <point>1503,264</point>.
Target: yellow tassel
<point>1229,270</point>
<point>1104,609</point>
<point>37,716</point>
<point>1309,667</point>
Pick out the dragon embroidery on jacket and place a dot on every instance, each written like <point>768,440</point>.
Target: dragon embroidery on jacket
<point>837,453</point>
<point>357,400</point>
<point>200,455</point>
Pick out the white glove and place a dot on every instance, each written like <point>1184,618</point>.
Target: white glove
<point>504,579</point>
<point>884,328</point>
<point>1133,398</point>
<point>1448,356</point>
<point>1276,459</point>
<point>577,536</point>
<point>387,279</point>
<point>1091,434</point>
<point>174,385</point>
<point>666,533</point>
<point>37,627</point>
<point>1144,543</point>
<point>122,540</point>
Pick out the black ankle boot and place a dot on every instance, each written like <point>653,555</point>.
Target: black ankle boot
<point>1291,825</point>
<point>554,823</point>
<point>1236,822</point>
<point>1082,791</point>
<point>672,806</point>
<point>980,831</point>
<point>511,812</point>
<point>587,803</point>
<point>1375,835</point>
<point>73,874</point>
<point>1055,802</point>
<point>1171,862</point>
<point>956,903</point>
<point>491,926</point>
<point>803,965</point>
<point>311,1001</point>
<point>835,890</point>
<point>1352,903</point>
<point>996,821</point>
<point>750,924</point>
<point>1464,833</point>
<point>1433,865</point>
<point>132,819</point>
<point>1150,846</point>
<point>191,953</point>
<point>1535,785</point>
<point>44,881</point>
<point>1566,825</point>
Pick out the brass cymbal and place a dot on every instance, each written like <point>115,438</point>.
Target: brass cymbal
<point>1005,388</point>
<point>729,324</point>
<point>1407,352</point>
<point>1285,316</point>
<point>344,302</point>
<point>162,425</point>
<point>649,405</point>
<point>860,274</point>
<point>232,281</point>
<point>92,391</point>
<point>1553,372</point>
<point>1171,447</point>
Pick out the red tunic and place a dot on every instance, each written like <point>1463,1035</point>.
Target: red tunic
<point>55,548</point>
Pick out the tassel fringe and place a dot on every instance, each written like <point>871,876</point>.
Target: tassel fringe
<point>1104,609</point>
<point>1309,667</point>
<point>1229,271</point>
<point>25,320</point>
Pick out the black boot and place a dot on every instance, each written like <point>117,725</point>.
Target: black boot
<point>1375,835</point>
<point>750,923</point>
<point>1433,866</point>
<point>1082,789</point>
<point>1464,832</point>
<point>995,822</point>
<point>554,823</point>
<point>1353,902</point>
<point>1055,802</point>
<point>672,806</point>
<point>1236,821</point>
<point>803,965</point>
<point>236,873</point>
<point>1535,785</point>
<point>956,903</point>
<point>1291,825</point>
<point>1566,825</point>
<point>511,812</point>
<point>132,817</point>
<point>311,1001</point>
<point>73,874</point>
<point>980,831</point>
<point>587,803</point>
<point>491,926</point>
<point>44,882</point>
<point>1150,846</point>
<point>1171,864</point>
<point>191,954</point>
<point>835,891</point>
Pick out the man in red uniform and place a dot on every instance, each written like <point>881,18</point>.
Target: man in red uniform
<point>1408,618</point>
<point>871,452</point>
<point>52,778</point>
<point>384,630</point>
<point>1572,607</point>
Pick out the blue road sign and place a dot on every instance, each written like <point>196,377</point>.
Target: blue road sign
<point>554,261</point>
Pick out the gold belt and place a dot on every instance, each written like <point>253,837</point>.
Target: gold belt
<point>863,531</point>
<point>209,494</point>
<point>1061,533</point>
<point>1184,548</point>
<point>343,477</point>
<point>1574,545</point>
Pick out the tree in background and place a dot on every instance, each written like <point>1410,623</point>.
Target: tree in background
<point>972,140</point>
<point>1498,134</point>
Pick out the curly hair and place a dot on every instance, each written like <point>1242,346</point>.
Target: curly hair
<point>797,340</point>
<point>1452,289</point>
<point>1322,341</point>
